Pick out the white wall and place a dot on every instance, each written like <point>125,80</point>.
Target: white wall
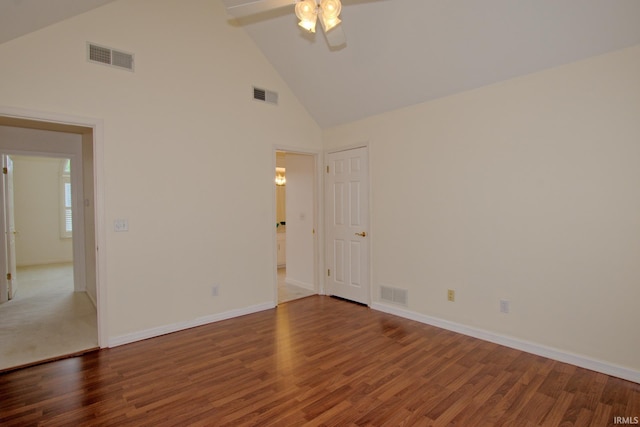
<point>300,219</point>
<point>527,190</point>
<point>37,212</point>
<point>187,152</point>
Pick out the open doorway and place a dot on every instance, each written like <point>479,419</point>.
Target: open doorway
<point>296,225</point>
<point>41,217</point>
<point>53,310</point>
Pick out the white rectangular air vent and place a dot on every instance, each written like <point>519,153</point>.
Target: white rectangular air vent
<point>108,56</point>
<point>394,295</point>
<point>265,95</point>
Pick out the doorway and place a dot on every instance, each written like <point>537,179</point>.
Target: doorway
<point>296,225</point>
<point>54,278</point>
<point>38,214</point>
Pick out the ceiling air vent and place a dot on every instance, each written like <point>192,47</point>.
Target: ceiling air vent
<point>108,56</point>
<point>265,95</point>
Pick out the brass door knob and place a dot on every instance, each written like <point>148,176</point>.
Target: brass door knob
<point>363,234</point>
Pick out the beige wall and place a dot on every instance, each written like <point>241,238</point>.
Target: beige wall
<point>527,190</point>
<point>187,152</point>
<point>36,184</point>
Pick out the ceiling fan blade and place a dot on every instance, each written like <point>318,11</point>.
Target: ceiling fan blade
<point>335,37</point>
<point>242,8</point>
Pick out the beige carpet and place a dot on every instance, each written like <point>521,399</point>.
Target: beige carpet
<point>288,292</point>
<point>46,319</point>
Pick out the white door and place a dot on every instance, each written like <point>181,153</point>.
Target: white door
<point>10,282</point>
<point>347,218</point>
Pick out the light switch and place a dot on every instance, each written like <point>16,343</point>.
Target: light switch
<point>120,225</point>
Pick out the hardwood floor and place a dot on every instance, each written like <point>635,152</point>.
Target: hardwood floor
<point>315,361</point>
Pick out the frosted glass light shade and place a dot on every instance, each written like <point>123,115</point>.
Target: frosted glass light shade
<point>329,11</point>
<point>308,25</point>
<point>329,23</point>
<point>307,13</point>
<point>306,10</point>
<point>331,8</point>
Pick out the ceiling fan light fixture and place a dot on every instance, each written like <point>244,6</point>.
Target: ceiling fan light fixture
<point>331,8</point>
<point>307,13</point>
<point>329,23</point>
<point>308,25</point>
<point>329,12</point>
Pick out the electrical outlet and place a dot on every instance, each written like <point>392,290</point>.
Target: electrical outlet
<point>451,295</point>
<point>504,306</point>
<point>215,290</point>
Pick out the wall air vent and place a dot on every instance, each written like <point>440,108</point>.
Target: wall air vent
<point>394,295</point>
<point>265,95</point>
<point>108,56</point>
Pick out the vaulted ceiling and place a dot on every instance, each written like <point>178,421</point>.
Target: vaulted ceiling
<point>404,52</point>
<point>19,17</point>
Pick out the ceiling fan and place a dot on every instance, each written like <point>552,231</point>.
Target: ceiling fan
<point>309,12</point>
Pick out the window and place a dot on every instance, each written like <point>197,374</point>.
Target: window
<point>66,227</point>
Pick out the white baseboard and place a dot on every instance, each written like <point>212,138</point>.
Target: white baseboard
<point>43,263</point>
<point>167,329</point>
<point>518,344</point>
<point>294,282</point>
<point>92,299</point>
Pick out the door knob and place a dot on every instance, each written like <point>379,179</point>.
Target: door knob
<point>363,234</point>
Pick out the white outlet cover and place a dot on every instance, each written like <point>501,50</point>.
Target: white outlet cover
<point>504,306</point>
<point>120,225</point>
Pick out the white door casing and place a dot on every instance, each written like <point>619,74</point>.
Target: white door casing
<point>9,274</point>
<point>347,219</point>
<point>93,135</point>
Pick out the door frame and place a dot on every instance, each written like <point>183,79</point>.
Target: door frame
<point>56,121</point>
<point>8,265</point>
<point>371,235</point>
<point>318,217</point>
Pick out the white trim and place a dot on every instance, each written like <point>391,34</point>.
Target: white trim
<point>64,178</point>
<point>308,286</point>
<point>518,344</point>
<point>370,213</point>
<point>175,327</point>
<point>77,220</point>
<point>364,144</point>
<point>48,262</point>
<point>93,301</point>
<point>97,126</point>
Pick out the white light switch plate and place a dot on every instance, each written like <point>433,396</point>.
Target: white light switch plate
<point>120,225</point>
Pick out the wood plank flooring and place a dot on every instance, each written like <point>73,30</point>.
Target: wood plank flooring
<point>317,361</point>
